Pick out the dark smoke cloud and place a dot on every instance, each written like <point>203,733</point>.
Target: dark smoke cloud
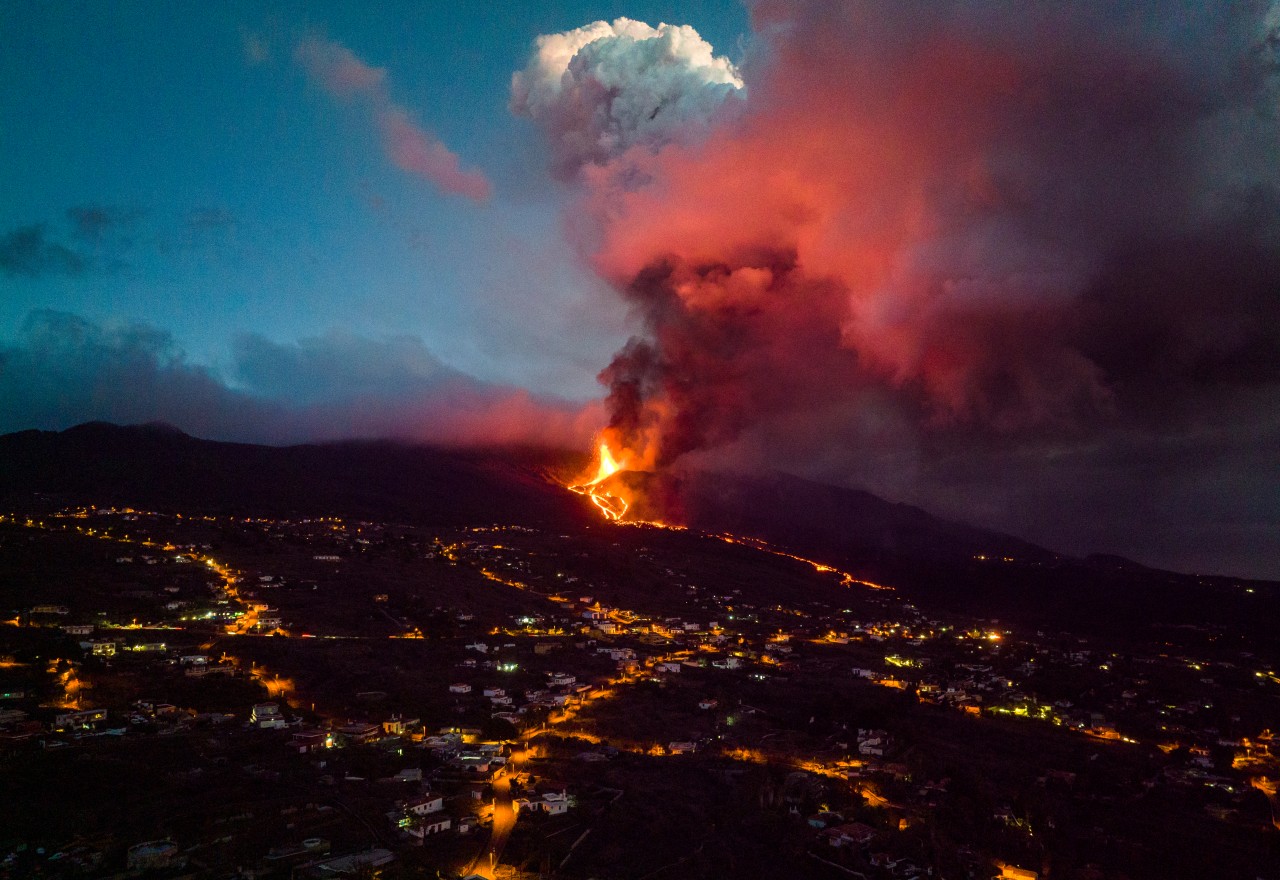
<point>1021,263</point>
<point>96,223</point>
<point>64,369</point>
<point>27,251</point>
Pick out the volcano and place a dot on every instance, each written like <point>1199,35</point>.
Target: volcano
<point>954,565</point>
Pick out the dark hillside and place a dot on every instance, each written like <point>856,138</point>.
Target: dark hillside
<point>157,465</point>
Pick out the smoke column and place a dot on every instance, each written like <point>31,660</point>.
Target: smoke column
<point>959,228</point>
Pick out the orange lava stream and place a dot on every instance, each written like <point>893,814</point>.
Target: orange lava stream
<point>846,579</point>
<point>613,507</point>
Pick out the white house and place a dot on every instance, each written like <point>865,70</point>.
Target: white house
<point>424,804</point>
<point>266,715</point>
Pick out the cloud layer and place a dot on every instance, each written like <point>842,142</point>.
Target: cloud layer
<point>64,369</point>
<point>28,251</point>
<point>408,146</point>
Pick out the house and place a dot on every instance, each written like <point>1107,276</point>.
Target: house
<point>471,762</point>
<point>460,688</point>
<point>78,720</point>
<point>50,609</point>
<point>409,774</point>
<point>306,741</point>
<point>360,731</point>
<point>554,803</point>
<point>873,741</point>
<point>398,725</point>
<point>429,827</point>
<point>266,715</point>
<point>423,805</point>
<point>851,834</point>
<point>682,748</point>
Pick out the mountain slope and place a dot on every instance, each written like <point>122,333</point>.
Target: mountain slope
<point>818,518</point>
<point>149,465</point>
<point>948,564</point>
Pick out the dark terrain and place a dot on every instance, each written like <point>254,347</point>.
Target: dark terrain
<point>726,700</point>
<point>951,565</point>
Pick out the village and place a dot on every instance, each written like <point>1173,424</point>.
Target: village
<point>502,701</point>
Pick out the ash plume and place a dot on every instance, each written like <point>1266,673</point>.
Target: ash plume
<point>932,238</point>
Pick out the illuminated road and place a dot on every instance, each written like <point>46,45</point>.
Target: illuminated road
<point>1271,789</point>
<point>504,819</point>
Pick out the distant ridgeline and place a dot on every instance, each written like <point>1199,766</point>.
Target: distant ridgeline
<point>160,465</point>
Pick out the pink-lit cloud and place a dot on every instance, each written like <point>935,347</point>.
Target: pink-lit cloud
<point>64,369</point>
<point>408,145</point>
<point>416,152</point>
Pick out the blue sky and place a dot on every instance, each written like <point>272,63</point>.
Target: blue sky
<point>228,194</point>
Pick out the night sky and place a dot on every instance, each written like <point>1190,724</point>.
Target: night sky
<point>1019,266</point>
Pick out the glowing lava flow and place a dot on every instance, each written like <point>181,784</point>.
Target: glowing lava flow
<point>613,507</point>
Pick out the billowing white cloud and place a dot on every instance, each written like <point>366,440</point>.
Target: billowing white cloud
<point>601,89</point>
